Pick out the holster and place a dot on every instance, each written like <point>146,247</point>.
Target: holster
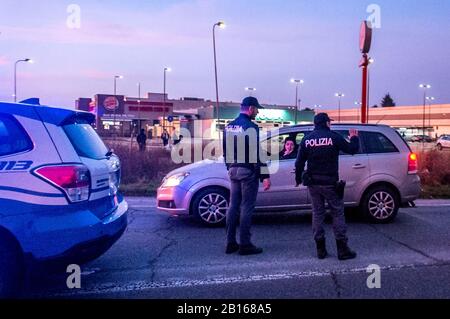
<point>307,179</point>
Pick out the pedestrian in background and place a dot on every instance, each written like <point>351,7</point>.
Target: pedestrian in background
<point>165,138</point>
<point>142,140</point>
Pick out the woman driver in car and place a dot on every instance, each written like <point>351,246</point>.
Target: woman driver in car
<point>289,148</point>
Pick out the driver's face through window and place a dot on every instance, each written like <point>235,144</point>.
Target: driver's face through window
<point>282,144</point>
<point>289,146</point>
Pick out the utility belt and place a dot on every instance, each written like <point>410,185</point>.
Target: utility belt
<point>254,167</point>
<point>324,180</point>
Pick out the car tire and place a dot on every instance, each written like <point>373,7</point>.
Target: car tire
<point>11,268</point>
<point>439,147</point>
<point>380,205</point>
<point>210,206</point>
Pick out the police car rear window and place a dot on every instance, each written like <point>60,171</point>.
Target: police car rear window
<point>13,138</point>
<point>85,140</point>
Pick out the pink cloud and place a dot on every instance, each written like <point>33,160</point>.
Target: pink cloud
<point>94,33</point>
<point>3,60</point>
<point>95,74</point>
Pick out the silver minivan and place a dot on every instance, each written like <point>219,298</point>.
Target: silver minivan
<point>381,178</point>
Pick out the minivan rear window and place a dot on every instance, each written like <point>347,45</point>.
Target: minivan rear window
<point>376,143</point>
<point>85,140</point>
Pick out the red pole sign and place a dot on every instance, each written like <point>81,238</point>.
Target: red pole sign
<point>365,42</point>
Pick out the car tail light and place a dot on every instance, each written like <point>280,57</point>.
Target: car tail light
<point>74,180</point>
<point>412,163</point>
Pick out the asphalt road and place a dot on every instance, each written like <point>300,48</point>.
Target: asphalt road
<point>162,256</point>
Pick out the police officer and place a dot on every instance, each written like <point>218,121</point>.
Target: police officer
<point>245,169</point>
<point>320,149</point>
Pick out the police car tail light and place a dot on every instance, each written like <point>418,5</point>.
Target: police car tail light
<point>412,163</point>
<point>74,180</point>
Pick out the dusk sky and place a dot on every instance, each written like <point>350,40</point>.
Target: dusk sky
<point>266,43</point>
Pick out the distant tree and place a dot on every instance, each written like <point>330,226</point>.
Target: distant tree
<point>375,106</point>
<point>308,109</point>
<point>387,101</point>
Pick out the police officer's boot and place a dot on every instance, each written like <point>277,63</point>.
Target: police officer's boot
<point>344,252</point>
<point>321,249</point>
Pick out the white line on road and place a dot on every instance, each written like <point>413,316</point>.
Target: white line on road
<point>145,285</point>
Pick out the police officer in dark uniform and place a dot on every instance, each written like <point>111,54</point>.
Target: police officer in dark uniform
<point>320,149</point>
<point>245,169</point>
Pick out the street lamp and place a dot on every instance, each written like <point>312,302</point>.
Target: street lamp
<point>221,25</point>
<point>120,77</point>
<point>339,96</point>
<point>425,87</point>
<point>166,69</point>
<point>297,83</point>
<point>250,90</point>
<point>15,75</point>
<point>429,99</point>
<point>139,107</point>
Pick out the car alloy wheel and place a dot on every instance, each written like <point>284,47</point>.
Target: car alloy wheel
<point>212,208</point>
<point>381,205</point>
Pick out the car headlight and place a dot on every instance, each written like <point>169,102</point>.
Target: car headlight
<point>174,180</point>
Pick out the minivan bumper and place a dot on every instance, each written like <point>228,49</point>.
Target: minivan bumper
<point>411,189</point>
<point>173,200</point>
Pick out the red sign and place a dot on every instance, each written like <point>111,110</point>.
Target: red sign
<point>111,103</point>
<point>365,37</point>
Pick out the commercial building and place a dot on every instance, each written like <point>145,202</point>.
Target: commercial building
<point>124,116</point>
<point>433,120</point>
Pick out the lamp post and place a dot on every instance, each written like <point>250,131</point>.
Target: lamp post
<point>115,96</point>
<point>429,99</point>
<point>250,90</point>
<point>425,87</point>
<point>221,25</point>
<point>139,106</point>
<point>15,75</point>
<point>297,83</point>
<point>339,96</point>
<point>166,69</point>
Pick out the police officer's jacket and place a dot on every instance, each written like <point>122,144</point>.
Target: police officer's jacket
<point>321,150</point>
<point>241,146</point>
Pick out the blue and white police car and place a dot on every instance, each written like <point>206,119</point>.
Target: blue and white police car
<point>59,198</point>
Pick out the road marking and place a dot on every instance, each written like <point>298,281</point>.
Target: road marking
<point>146,285</point>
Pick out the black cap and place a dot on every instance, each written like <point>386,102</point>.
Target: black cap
<point>322,118</point>
<point>251,101</point>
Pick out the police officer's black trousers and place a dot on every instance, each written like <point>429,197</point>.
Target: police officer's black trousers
<point>244,189</point>
<point>320,194</point>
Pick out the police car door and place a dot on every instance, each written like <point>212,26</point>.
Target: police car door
<point>283,194</point>
<point>354,169</point>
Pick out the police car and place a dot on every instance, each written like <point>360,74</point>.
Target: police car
<point>59,198</point>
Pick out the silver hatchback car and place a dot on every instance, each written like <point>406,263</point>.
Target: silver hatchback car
<point>381,178</point>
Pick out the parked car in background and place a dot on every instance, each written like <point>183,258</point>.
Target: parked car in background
<point>380,178</point>
<point>443,142</point>
<point>421,138</point>
<point>59,199</point>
